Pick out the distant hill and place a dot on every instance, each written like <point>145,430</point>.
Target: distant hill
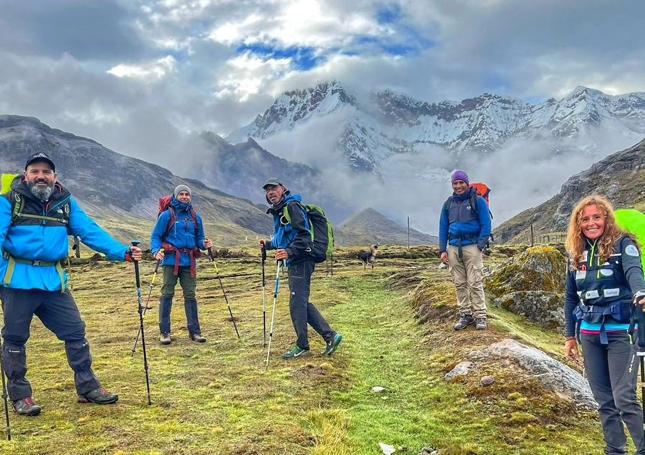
<point>370,226</point>
<point>120,191</point>
<point>242,169</point>
<point>620,176</point>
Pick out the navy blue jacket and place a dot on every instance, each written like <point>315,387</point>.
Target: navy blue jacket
<point>295,237</point>
<point>459,223</point>
<point>628,278</point>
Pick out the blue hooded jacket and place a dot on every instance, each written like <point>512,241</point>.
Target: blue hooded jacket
<point>459,223</point>
<point>183,234</point>
<point>36,242</point>
<point>295,237</point>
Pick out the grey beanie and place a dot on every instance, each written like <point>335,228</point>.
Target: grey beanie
<point>180,188</point>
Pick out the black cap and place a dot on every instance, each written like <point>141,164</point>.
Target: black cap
<point>40,157</point>
<point>271,182</point>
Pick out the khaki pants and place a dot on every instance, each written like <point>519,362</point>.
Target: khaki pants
<point>467,276</point>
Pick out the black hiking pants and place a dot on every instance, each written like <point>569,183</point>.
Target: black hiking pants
<point>612,370</point>
<point>59,313</point>
<point>302,311</point>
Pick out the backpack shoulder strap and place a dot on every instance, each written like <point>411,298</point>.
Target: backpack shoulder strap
<point>285,210</point>
<point>193,214</point>
<point>473,202</point>
<point>171,221</point>
<point>17,204</point>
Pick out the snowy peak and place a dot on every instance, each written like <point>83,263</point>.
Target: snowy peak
<point>295,107</point>
<point>390,123</point>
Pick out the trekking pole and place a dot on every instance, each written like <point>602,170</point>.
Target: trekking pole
<point>146,308</point>
<point>4,395</point>
<point>276,289</point>
<point>77,246</point>
<point>641,353</point>
<point>264,300</point>
<point>141,330</point>
<point>212,258</point>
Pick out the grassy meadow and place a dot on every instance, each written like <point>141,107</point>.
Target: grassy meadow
<point>217,398</point>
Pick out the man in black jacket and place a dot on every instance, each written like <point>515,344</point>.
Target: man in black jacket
<point>292,240</point>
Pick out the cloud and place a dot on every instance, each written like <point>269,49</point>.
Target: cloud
<point>84,29</point>
<point>144,77</point>
<point>146,71</point>
<point>248,75</point>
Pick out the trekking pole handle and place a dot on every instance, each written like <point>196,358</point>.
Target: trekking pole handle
<point>136,265</point>
<point>210,254</point>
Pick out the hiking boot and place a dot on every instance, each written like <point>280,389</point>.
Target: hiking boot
<point>294,352</point>
<point>332,344</point>
<point>26,407</point>
<point>480,324</point>
<point>165,339</point>
<point>197,338</point>
<point>98,396</point>
<point>464,322</point>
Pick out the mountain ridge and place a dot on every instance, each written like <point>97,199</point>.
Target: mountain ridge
<point>620,177</point>
<point>107,183</point>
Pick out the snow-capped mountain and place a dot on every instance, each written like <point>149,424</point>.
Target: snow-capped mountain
<point>388,124</point>
<point>293,107</point>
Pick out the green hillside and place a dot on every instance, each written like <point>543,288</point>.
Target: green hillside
<point>217,398</point>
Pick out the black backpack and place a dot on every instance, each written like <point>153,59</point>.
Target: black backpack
<point>321,229</point>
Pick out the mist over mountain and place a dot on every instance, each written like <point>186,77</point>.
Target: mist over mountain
<point>386,151</point>
<point>242,169</point>
<point>394,153</point>
<point>620,177</point>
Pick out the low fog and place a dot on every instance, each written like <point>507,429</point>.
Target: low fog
<point>522,173</point>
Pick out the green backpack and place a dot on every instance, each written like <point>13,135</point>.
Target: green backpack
<point>633,221</point>
<point>6,180</point>
<point>321,229</point>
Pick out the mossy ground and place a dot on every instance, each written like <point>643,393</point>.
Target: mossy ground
<point>217,398</point>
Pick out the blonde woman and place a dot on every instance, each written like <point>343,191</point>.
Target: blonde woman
<point>605,277</point>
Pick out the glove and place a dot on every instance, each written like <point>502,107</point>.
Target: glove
<point>482,244</point>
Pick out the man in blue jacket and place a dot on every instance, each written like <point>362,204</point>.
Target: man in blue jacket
<point>177,239</point>
<point>36,217</point>
<point>293,243</point>
<point>464,229</point>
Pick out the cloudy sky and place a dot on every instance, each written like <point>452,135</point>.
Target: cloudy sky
<point>139,76</point>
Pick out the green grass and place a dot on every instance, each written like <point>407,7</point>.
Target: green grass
<point>217,398</point>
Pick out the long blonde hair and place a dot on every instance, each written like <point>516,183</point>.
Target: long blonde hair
<point>575,243</point>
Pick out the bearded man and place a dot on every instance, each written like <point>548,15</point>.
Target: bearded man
<point>36,217</point>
